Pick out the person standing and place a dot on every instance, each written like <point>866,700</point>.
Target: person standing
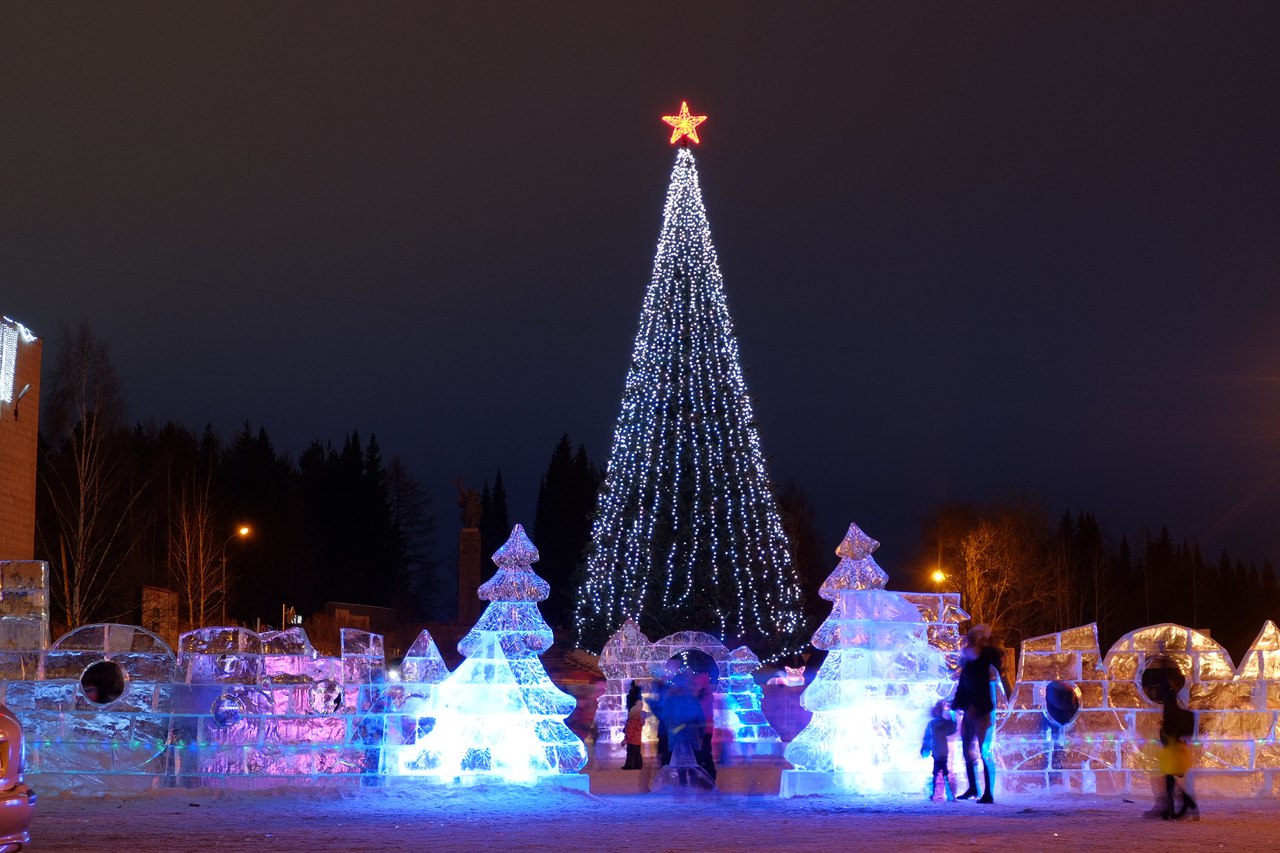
<point>633,732</point>
<point>975,699</point>
<point>942,725</point>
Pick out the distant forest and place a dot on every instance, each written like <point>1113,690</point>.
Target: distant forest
<point>122,506</point>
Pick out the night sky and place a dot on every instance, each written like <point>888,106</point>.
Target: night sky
<point>970,248</point>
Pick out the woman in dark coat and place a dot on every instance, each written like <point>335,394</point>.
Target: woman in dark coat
<point>976,699</point>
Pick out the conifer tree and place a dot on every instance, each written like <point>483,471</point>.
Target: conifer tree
<point>495,520</point>
<point>562,523</point>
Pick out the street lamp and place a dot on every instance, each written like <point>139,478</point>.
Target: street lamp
<point>241,533</point>
<point>938,577</point>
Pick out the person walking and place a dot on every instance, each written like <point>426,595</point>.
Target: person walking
<point>1176,723</point>
<point>975,699</point>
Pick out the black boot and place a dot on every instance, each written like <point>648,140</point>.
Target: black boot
<point>1168,798</point>
<point>987,778</point>
<point>973,782</point>
<point>1188,805</point>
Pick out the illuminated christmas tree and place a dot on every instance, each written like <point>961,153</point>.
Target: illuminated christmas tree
<point>687,535</point>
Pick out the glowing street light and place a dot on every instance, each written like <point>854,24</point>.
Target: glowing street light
<point>938,577</point>
<point>242,532</point>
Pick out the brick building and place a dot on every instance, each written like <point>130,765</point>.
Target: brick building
<point>19,423</point>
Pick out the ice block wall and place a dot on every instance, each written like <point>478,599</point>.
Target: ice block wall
<point>1081,722</point>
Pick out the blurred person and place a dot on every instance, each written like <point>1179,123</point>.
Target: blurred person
<point>1176,723</point>
<point>975,699</point>
<point>701,683</point>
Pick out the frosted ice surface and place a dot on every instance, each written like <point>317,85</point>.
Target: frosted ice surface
<point>682,774</point>
<point>519,622</point>
<point>423,662</point>
<point>1263,658</point>
<point>857,569</point>
<point>363,643</point>
<point>515,580</point>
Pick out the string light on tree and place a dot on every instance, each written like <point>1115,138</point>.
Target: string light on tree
<point>688,535</point>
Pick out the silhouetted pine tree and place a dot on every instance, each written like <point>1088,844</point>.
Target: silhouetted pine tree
<point>495,523</point>
<point>255,486</point>
<point>562,525</point>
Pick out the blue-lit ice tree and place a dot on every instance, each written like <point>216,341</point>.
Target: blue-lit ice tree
<point>498,714</point>
<point>687,535</point>
<point>872,696</point>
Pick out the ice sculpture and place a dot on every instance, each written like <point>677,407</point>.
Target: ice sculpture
<point>74,724</point>
<point>498,716</point>
<point>625,659</point>
<point>871,697</point>
<point>1109,744</point>
<point>629,656</point>
<point>268,705</point>
<point>392,715</point>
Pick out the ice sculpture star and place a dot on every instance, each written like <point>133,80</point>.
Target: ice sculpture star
<point>684,124</point>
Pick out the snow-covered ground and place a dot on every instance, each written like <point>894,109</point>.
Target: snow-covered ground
<point>423,818</point>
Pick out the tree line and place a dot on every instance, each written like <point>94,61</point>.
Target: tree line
<point>122,507</point>
<point>1026,575</point>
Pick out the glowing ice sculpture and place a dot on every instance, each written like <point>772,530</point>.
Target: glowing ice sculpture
<point>498,715</point>
<point>872,696</point>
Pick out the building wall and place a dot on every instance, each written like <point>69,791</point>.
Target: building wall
<point>19,424</point>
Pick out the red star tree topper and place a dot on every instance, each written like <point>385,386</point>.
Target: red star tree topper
<point>684,124</point>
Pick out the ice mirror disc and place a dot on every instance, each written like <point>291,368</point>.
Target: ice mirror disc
<point>695,661</point>
<point>227,710</point>
<point>326,696</point>
<point>1162,677</point>
<point>1061,702</point>
<point>103,682</point>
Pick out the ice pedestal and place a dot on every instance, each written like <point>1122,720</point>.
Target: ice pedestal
<point>682,774</point>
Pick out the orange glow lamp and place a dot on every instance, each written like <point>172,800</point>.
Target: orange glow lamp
<point>684,124</point>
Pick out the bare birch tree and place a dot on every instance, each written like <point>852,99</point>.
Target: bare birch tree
<point>195,559</point>
<point>88,491</point>
<point>1008,572</point>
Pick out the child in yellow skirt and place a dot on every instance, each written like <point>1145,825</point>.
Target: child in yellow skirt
<point>1175,760</point>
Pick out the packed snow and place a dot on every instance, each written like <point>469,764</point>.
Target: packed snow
<point>412,815</point>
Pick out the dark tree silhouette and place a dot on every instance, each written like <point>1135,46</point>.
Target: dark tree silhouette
<point>562,525</point>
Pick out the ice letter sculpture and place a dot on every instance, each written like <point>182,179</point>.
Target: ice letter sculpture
<point>872,696</point>
<point>498,715</point>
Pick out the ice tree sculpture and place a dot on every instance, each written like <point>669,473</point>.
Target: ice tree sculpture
<point>498,714</point>
<point>688,535</point>
<point>872,696</point>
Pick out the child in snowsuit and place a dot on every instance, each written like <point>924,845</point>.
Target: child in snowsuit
<point>941,727</point>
